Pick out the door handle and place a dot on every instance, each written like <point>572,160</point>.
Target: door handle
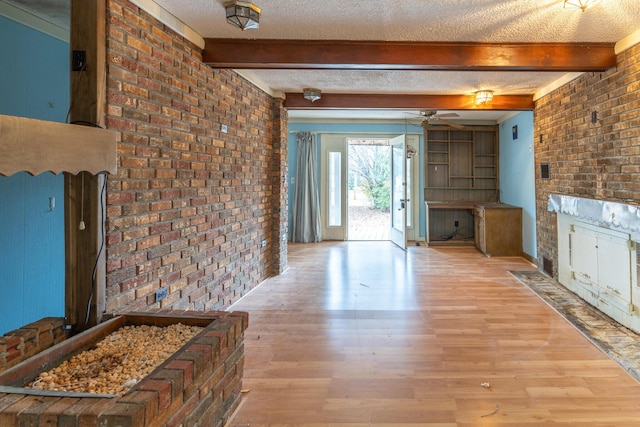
<point>401,205</point>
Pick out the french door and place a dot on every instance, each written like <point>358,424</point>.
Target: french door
<point>399,200</point>
<point>334,191</point>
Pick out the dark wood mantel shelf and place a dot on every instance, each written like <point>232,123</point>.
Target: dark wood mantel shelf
<point>37,146</point>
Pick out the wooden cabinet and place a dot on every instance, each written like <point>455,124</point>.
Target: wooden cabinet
<point>498,229</point>
<point>461,166</point>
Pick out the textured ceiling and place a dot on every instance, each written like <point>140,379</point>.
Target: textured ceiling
<point>400,20</point>
<point>419,20</point>
<point>413,20</point>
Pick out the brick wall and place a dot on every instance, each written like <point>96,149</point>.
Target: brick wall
<point>29,340</point>
<point>598,160</point>
<point>190,206</point>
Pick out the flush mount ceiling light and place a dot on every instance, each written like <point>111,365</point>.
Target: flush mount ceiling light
<point>312,94</point>
<point>484,96</point>
<point>243,14</point>
<point>580,4</point>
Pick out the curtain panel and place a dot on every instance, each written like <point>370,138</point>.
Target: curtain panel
<point>306,203</point>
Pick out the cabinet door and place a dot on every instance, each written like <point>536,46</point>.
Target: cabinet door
<point>602,261</point>
<point>500,231</point>
<point>614,265</point>
<point>583,245</point>
<point>479,230</point>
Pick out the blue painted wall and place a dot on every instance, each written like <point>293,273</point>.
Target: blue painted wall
<point>35,84</point>
<point>355,129</point>
<point>517,174</point>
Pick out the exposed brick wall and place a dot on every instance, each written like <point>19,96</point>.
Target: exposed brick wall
<point>593,160</point>
<point>29,340</point>
<point>190,206</point>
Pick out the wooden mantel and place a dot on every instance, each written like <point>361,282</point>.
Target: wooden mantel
<point>37,146</point>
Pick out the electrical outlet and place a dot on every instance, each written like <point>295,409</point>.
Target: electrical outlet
<point>264,243</point>
<point>78,60</point>
<point>161,294</point>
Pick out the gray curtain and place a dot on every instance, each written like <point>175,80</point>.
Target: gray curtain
<point>306,203</point>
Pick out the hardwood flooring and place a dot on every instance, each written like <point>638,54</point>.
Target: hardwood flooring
<point>363,334</point>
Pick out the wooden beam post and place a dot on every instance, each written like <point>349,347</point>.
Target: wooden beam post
<point>85,200</point>
<point>402,55</point>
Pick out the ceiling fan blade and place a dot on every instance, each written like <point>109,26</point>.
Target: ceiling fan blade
<point>452,124</point>
<point>413,121</point>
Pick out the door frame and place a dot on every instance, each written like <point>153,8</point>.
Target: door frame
<point>331,143</point>
<point>412,139</point>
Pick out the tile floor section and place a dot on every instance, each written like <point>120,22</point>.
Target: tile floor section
<point>619,342</point>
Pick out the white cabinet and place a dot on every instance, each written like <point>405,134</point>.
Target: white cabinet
<point>599,264</point>
<point>601,259</point>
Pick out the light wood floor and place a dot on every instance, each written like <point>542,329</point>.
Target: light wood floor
<point>360,334</point>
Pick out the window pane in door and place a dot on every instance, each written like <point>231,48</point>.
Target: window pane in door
<point>397,214</point>
<point>409,192</point>
<point>335,186</point>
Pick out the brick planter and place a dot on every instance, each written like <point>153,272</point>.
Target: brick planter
<point>198,385</point>
<point>29,340</point>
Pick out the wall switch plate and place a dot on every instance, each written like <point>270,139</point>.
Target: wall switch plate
<point>264,243</point>
<point>78,60</point>
<point>545,172</point>
<point>224,129</point>
<point>161,294</point>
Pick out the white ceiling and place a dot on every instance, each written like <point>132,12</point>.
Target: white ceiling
<point>418,20</point>
<point>403,20</point>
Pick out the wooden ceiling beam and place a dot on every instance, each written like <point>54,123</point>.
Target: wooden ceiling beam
<point>384,55</point>
<point>407,102</point>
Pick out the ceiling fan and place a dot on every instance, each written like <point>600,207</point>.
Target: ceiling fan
<point>432,115</point>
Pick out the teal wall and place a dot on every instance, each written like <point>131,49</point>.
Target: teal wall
<point>355,129</point>
<point>517,174</point>
<point>34,83</point>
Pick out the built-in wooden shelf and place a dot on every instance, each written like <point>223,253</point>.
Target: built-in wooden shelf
<point>460,165</point>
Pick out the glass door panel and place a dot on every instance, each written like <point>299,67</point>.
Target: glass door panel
<point>399,193</point>
<point>333,187</point>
